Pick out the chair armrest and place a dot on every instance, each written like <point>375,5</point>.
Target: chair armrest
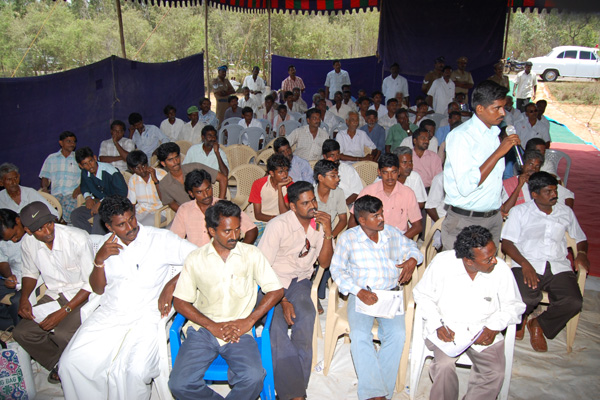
<point>175,336</point>
<point>314,290</point>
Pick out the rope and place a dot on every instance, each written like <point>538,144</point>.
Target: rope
<point>151,33</point>
<point>34,39</point>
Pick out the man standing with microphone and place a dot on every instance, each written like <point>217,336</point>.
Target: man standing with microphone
<point>474,166</point>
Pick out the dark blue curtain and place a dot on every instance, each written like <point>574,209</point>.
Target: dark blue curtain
<point>85,101</point>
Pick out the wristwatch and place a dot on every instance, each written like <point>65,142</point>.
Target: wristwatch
<point>67,309</point>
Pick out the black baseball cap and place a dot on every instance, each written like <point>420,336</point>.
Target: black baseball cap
<point>35,215</point>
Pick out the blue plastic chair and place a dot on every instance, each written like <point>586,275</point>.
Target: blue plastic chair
<point>218,369</point>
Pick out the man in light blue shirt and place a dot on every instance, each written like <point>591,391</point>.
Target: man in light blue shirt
<point>300,169</point>
<point>474,166</point>
<point>442,133</point>
<point>374,256</point>
<point>206,115</point>
<point>147,138</point>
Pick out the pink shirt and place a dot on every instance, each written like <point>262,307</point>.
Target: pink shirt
<point>399,207</point>
<point>189,223</point>
<point>427,166</point>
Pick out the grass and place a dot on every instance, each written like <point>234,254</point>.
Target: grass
<point>585,93</point>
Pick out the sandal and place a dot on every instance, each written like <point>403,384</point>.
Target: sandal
<point>53,376</point>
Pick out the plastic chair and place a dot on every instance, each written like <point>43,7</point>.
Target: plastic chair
<point>217,187</point>
<point>553,157</point>
<point>289,127</point>
<point>266,125</point>
<point>238,154</point>
<point>253,135</point>
<point>263,156</point>
<point>581,278</point>
<point>245,175</point>
<point>233,132</point>
<point>184,145</point>
<point>367,170</point>
<point>427,248</point>
<point>169,216</point>
<point>53,202</point>
<point>218,369</point>
<point>296,115</point>
<point>317,330</point>
<point>420,352</point>
<point>337,325</point>
<point>231,121</point>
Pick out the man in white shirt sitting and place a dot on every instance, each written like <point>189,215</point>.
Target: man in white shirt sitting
<point>171,126</point>
<point>407,176</point>
<point>465,291</point>
<point>340,109</point>
<point>282,116</point>
<point>388,120</point>
<point>377,105</point>
<point>114,150</point>
<point>353,142</point>
<point>208,152</point>
<point>192,131</point>
<point>249,122</point>
<point>248,101</point>
<point>534,237</point>
<point>530,127</point>
<point>300,105</point>
<point>147,138</point>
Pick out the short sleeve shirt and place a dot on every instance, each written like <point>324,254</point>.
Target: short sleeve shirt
<point>171,190</point>
<point>335,205</point>
<point>63,172</point>
<point>108,148</point>
<point>265,194</point>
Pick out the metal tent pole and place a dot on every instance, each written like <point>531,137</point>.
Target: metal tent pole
<point>270,54</point>
<point>206,48</point>
<point>120,18</point>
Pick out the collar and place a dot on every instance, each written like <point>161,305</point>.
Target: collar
<point>211,250</point>
<point>101,168</point>
<point>494,130</point>
<point>361,236</point>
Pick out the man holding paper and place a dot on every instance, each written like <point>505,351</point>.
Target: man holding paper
<point>467,297</point>
<point>369,263</point>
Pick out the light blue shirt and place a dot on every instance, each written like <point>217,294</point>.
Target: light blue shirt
<point>442,133</point>
<point>359,262</point>
<point>467,148</point>
<point>301,170</point>
<point>197,155</point>
<point>149,140</point>
<point>209,119</point>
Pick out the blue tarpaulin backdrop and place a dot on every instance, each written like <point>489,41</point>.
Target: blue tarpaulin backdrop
<point>85,101</point>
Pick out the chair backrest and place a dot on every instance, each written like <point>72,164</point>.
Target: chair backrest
<point>217,187</point>
<point>184,145</point>
<point>312,163</point>
<point>427,248</point>
<point>296,115</point>
<point>254,136</point>
<point>126,175</point>
<point>367,170</point>
<point>230,134</point>
<point>270,144</point>
<point>289,126</point>
<point>265,124</point>
<point>53,202</point>
<point>231,121</point>
<point>238,154</point>
<point>263,156</point>
<point>245,175</point>
<point>553,157</point>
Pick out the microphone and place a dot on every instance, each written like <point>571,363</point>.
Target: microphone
<point>510,130</point>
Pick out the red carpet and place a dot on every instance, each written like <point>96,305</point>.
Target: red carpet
<point>584,181</point>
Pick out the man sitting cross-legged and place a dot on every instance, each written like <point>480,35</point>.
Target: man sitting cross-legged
<point>534,237</point>
<point>379,257</point>
<point>465,291</point>
<point>217,293</point>
<point>189,220</point>
<point>114,354</point>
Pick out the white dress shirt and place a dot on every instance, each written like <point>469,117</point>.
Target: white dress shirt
<point>192,134</point>
<point>28,195</point>
<point>257,85</point>
<point>435,199</point>
<point>391,86</point>
<point>381,111</point>
<point>350,181</point>
<point>527,132</point>
<point>433,143</point>
<point>196,154</point>
<point>442,93</point>
<point>335,81</point>
<point>172,130</point>
<point>355,146</point>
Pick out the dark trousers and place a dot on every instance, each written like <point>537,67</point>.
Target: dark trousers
<point>80,217</point>
<point>564,295</point>
<point>521,104</point>
<point>292,356</point>
<point>9,314</point>
<point>43,346</point>
<point>199,350</point>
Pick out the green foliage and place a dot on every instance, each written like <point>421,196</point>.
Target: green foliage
<point>575,92</point>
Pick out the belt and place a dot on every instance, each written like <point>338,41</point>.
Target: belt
<point>478,214</point>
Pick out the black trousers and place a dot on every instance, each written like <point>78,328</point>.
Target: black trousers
<point>564,295</point>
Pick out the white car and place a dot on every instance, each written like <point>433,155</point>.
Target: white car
<point>574,61</point>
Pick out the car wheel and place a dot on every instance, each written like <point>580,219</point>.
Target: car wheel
<point>550,75</point>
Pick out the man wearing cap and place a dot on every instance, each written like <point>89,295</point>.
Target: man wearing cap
<point>222,89</point>
<point>462,79</point>
<point>63,257</point>
<point>525,86</point>
<point>434,74</point>
<point>192,131</point>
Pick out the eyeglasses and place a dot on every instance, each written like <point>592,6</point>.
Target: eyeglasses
<point>304,253</point>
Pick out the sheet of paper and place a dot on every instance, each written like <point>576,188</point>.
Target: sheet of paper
<point>463,339</point>
<point>389,304</point>
<point>41,311</point>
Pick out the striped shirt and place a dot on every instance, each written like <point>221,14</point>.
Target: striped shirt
<point>63,172</point>
<point>288,84</point>
<point>143,194</point>
<point>358,262</point>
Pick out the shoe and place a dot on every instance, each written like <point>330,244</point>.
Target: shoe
<point>53,376</point>
<point>538,341</point>
<point>521,332</point>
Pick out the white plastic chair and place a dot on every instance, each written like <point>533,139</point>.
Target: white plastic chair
<point>553,157</point>
<point>234,132</point>
<point>289,127</point>
<point>420,352</point>
<point>253,135</point>
<point>231,121</point>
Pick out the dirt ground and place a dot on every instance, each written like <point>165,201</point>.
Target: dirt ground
<point>582,120</point>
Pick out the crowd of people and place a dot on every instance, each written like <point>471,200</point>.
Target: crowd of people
<point>440,156</point>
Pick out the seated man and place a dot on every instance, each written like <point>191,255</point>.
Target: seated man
<point>340,109</point>
<point>534,237</point>
<point>426,162</point>
<point>389,119</point>
<point>192,130</point>
<point>209,152</point>
<point>288,100</point>
<point>221,311</point>
<point>61,171</point>
<point>98,180</point>
<point>326,116</point>
<point>14,196</point>
<point>300,105</point>
<point>300,169</point>
<point>399,202</point>
<point>421,114</point>
<point>189,220</point>
<point>63,257</point>
<point>114,150</point>
<point>408,177</point>
<point>234,111</point>
<point>374,256</point>
<point>462,291</point>
<point>530,127</point>
<point>282,116</point>
<point>350,181</point>
<point>374,131</point>
<point>378,105</point>
<point>248,120</point>
<point>549,166</point>
<point>171,188</point>
<point>429,126</point>
<point>11,266</point>
<point>309,138</point>
<point>249,101</point>
<point>268,111</point>
<point>435,206</point>
<point>268,195</point>
<point>206,115</point>
<point>171,126</point>
<point>143,187</point>
<point>114,354</point>
<point>443,131</point>
<point>399,131</point>
<point>292,244</point>
<point>146,137</point>
<point>363,104</point>
<point>353,142</point>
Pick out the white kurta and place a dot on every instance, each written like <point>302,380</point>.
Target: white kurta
<point>114,354</point>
